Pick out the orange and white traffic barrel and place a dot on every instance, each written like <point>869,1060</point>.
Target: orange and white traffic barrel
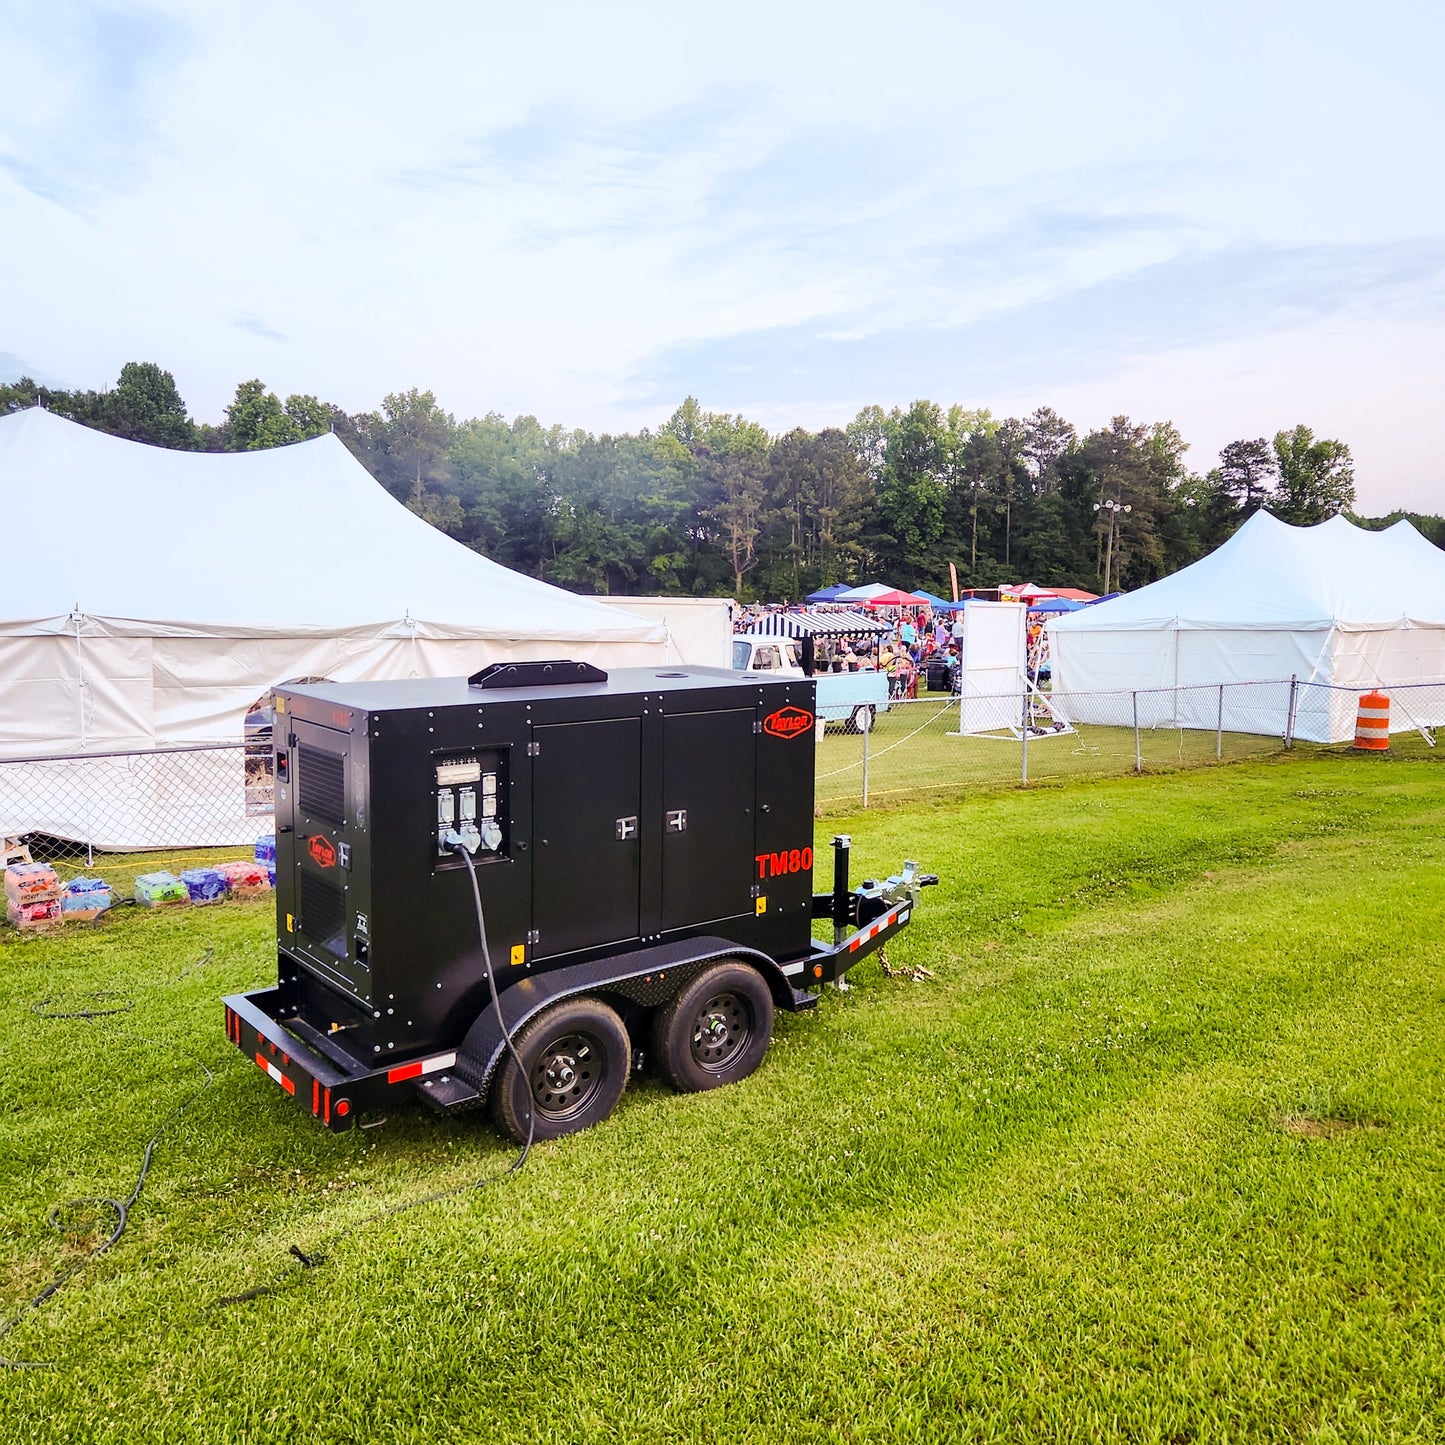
<point>1372,723</point>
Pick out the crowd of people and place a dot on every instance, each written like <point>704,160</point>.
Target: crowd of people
<point>920,650</point>
<point>1038,650</point>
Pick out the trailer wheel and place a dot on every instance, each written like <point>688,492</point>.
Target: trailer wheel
<point>716,1030</point>
<point>861,719</point>
<point>575,1058</point>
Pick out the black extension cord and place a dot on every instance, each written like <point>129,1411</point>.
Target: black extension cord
<point>105,1004</point>
<point>119,1208</point>
<point>318,1256</point>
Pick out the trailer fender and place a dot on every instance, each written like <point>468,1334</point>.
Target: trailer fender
<point>647,976</point>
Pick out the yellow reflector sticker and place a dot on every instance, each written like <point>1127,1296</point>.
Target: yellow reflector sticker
<point>290,924</point>
<point>519,953</point>
<point>762,905</point>
<point>280,704</point>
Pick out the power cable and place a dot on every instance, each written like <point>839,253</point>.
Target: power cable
<point>319,1254</point>
<point>119,1208</point>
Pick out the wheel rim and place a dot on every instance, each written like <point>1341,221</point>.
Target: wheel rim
<point>721,1030</point>
<point>567,1076</point>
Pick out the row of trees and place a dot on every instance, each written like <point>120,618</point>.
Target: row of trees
<point>712,503</point>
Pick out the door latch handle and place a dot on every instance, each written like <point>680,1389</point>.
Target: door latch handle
<point>677,820</point>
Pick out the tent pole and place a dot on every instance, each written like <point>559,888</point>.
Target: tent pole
<point>866,731</point>
<point>80,695</point>
<point>1024,739</point>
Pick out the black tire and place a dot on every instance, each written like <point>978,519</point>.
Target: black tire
<point>854,723</point>
<point>575,1058</point>
<point>716,1030</point>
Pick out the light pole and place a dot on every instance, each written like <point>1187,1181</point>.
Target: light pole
<point>1113,509</point>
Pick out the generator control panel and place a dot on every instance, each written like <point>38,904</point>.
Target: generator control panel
<point>471,800</point>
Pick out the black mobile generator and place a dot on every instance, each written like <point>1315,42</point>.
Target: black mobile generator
<point>506,888</point>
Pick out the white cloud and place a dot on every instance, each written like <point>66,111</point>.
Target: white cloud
<point>528,208</point>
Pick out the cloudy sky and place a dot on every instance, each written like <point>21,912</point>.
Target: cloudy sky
<point>1231,218</point>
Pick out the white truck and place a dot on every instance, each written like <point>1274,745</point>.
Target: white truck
<point>852,699</point>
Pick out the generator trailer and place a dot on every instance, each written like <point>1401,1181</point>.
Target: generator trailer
<point>509,889</point>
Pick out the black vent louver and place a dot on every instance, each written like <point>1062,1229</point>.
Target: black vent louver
<point>321,784</point>
<point>323,914</point>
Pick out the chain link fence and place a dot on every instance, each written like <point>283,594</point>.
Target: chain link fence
<point>939,744</point>
<point>124,813</point>
<point>1417,710</point>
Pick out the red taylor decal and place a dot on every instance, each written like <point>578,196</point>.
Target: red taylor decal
<point>790,860</point>
<point>788,722</point>
<point>322,851</point>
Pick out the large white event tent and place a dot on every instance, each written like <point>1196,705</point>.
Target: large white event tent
<point>151,597</point>
<point>1337,607</point>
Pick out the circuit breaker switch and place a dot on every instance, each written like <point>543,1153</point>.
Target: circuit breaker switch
<point>450,774</point>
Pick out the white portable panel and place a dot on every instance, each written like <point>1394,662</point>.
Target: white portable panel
<point>993,673</point>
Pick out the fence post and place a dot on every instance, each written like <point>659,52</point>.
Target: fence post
<point>1219,729</point>
<point>1289,720</point>
<point>1024,740</point>
<point>1138,756</point>
<point>866,731</point>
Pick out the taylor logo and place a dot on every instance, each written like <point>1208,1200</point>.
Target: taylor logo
<point>788,722</point>
<point>322,851</point>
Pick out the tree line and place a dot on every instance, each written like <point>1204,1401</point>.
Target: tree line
<point>711,503</point>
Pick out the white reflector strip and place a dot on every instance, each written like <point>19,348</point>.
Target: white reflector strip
<point>442,1061</point>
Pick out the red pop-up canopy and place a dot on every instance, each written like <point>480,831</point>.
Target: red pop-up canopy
<point>897,599</point>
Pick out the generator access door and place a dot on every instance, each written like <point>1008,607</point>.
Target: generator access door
<point>709,791</point>
<point>586,869</point>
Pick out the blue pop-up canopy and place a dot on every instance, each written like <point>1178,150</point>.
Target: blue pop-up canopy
<point>827,594</point>
<point>1057,604</point>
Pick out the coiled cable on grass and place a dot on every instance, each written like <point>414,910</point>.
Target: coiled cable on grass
<point>318,1256</point>
<point>103,1004</point>
<point>120,1208</point>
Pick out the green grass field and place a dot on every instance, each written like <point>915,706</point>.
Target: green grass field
<point>1156,1154</point>
<point>915,750</point>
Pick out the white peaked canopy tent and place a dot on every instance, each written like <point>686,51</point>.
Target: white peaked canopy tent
<point>1333,605</point>
<point>866,593</point>
<point>150,597</point>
